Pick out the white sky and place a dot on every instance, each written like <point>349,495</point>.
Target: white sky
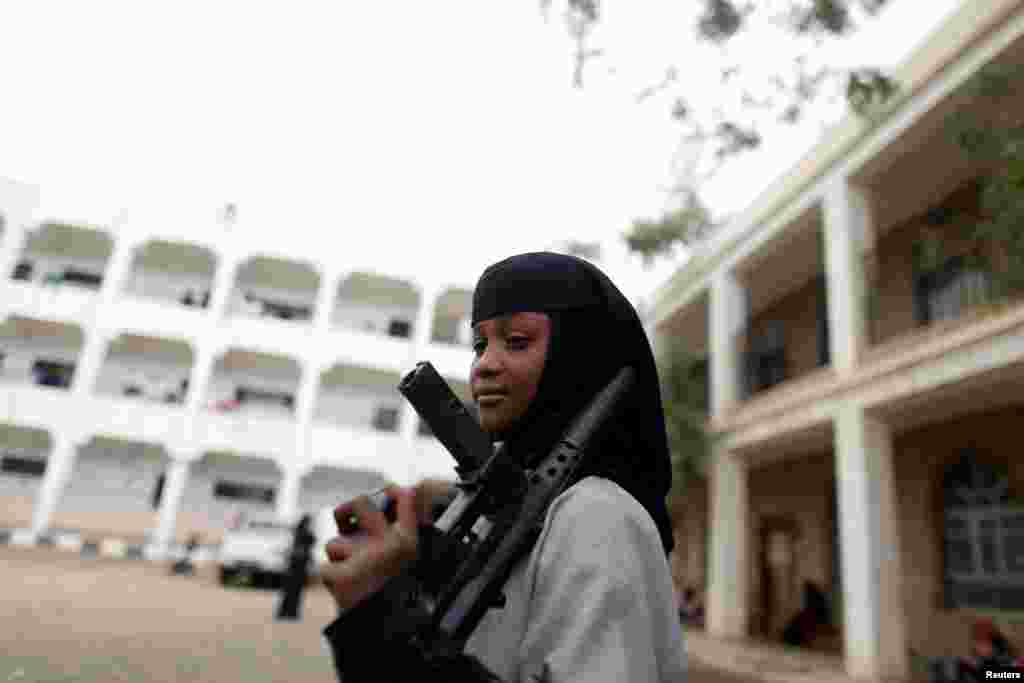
<point>426,139</point>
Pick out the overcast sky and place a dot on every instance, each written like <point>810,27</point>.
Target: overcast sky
<point>426,139</point>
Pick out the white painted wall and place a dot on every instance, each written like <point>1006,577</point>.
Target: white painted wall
<point>155,377</point>
<point>20,354</point>
<point>237,305</point>
<point>166,286</point>
<point>199,501</point>
<point>370,318</point>
<point>355,406</point>
<point>109,480</point>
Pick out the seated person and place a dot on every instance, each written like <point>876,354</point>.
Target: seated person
<point>802,629</point>
<point>691,612</point>
<point>989,650</point>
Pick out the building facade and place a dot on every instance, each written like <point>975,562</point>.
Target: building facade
<point>159,381</point>
<point>865,401</point>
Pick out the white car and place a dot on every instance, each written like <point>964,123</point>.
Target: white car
<point>259,548</point>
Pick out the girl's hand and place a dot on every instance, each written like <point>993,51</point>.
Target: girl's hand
<point>428,493</point>
<point>361,563</point>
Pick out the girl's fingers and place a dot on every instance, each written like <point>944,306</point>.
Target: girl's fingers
<point>405,506</point>
<point>338,549</point>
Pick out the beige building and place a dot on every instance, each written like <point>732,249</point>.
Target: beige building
<point>866,401</point>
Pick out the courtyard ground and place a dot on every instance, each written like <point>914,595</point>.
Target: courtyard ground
<point>93,620</point>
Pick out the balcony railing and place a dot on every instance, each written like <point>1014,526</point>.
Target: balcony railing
<point>901,300</point>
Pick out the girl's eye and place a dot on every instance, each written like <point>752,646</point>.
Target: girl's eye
<point>517,342</point>
<point>479,346</point>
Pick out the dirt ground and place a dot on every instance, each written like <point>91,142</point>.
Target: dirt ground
<point>92,620</point>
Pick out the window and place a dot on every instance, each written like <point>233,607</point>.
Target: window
<point>983,538</point>
<point>234,490</point>
<point>399,328</point>
<point>53,374</point>
<point>23,271</point>
<point>244,394</point>
<point>766,360</point>
<point>386,419</point>
<point>24,466</point>
<point>81,277</point>
<point>942,294</point>
<point>824,353</point>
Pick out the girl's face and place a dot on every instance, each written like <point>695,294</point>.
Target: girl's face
<point>509,353</point>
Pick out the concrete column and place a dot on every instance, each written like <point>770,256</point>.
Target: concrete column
<point>16,216</point>
<point>325,298</point>
<point>199,377</point>
<point>176,478</point>
<point>727,608</point>
<point>15,236</point>
<point>59,466</point>
<point>223,282</point>
<point>429,294</point>
<point>90,360</point>
<point>874,618</point>
<point>728,317</point>
<point>848,238</point>
<point>305,407</point>
<point>118,266</point>
<point>288,493</point>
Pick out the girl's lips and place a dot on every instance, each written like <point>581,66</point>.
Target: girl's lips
<point>490,399</point>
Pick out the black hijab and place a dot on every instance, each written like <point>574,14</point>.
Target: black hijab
<point>595,331</point>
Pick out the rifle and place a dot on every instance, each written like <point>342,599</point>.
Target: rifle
<point>496,515</point>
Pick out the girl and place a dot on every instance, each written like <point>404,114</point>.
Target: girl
<point>593,599</point>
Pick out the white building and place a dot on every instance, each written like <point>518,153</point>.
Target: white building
<point>155,380</point>
<point>866,403</point>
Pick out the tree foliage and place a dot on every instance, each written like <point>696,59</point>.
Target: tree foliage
<point>989,127</point>
<point>684,385</point>
<point>716,134</point>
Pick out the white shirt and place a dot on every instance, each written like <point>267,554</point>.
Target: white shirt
<point>593,601</point>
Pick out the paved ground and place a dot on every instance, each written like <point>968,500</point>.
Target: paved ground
<point>67,618</point>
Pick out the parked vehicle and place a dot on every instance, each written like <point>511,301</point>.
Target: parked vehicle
<point>255,550</point>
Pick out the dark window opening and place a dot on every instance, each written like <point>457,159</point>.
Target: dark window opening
<point>983,538</point>
<point>53,374</point>
<point>824,353</point>
<point>244,394</point>
<point>386,419</point>
<point>234,490</point>
<point>23,271</point>
<point>944,293</point>
<point>399,328</point>
<point>81,277</point>
<point>158,490</point>
<point>28,467</point>
<point>765,363</point>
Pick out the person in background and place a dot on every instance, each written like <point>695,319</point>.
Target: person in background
<point>990,650</point>
<point>691,612</point>
<point>298,570</point>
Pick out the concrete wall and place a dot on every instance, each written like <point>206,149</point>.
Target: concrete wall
<point>893,280</point>
<point>798,312</point>
<point>370,317</point>
<point>920,459</point>
<point>355,406</point>
<point>20,354</point>
<point>165,286</point>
